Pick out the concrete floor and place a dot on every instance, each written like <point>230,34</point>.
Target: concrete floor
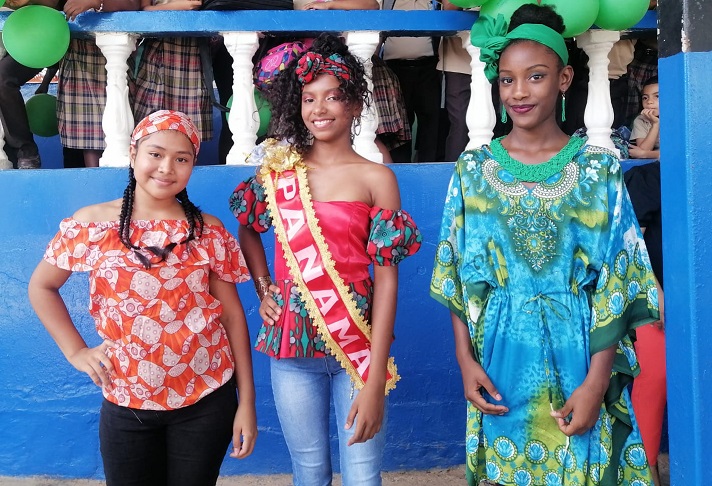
<point>433,477</point>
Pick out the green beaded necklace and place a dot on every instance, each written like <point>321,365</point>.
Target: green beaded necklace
<point>535,172</point>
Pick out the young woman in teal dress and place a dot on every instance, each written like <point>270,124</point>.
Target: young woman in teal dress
<point>545,272</point>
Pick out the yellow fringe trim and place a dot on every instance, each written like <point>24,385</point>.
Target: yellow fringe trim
<point>341,287</point>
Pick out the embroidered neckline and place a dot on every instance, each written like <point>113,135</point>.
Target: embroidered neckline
<point>535,172</point>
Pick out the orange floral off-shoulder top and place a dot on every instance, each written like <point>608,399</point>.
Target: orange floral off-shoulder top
<point>171,349</point>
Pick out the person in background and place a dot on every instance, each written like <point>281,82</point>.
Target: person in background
<point>643,66</point>
<point>649,394</point>
<point>81,87</point>
<point>454,62</point>
<point>168,74</point>
<point>13,75</point>
<point>645,136</point>
<point>414,60</point>
<point>619,58</point>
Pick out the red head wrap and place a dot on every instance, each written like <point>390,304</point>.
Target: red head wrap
<point>167,120</point>
<point>312,64</point>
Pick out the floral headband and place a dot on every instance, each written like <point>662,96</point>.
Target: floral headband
<point>490,35</point>
<point>312,64</point>
<point>167,120</point>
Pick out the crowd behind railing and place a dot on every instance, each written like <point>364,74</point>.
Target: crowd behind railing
<point>430,98</point>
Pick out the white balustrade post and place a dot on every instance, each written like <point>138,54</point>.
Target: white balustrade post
<point>4,161</point>
<point>480,115</point>
<point>363,44</point>
<point>243,120</point>
<point>117,121</point>
<point>598,116</point>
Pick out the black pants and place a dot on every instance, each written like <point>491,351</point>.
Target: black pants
<point>619,100</point>
<point>420,84</point>
<point>457,99</point>
<point>12,107</point>
<point>183,447</point>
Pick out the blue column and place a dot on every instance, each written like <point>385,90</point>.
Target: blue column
<point>685,69</point>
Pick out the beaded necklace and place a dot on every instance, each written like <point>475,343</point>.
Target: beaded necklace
<point>535,172</point>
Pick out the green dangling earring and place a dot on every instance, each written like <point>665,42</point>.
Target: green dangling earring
<point>502,114</point>
<point>563,106</point>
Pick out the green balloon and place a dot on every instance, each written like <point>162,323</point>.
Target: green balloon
<point>2,2</point>
<point>503,7</point>
<point>42,115</point>
<point>578,15</point>
<point>36,36</point>
<point>463,3</point>
<point>617,15</point>
<point>263,110</point>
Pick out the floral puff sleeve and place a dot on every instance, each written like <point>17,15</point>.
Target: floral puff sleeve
<point>393,236</point>
<point>249,205</point>
<point>70,249</point>
<point>224,254</point>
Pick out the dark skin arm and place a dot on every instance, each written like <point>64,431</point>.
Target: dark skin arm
<point>178,5</point>
<point>474,377</point>
<point>75,7</point>
<point>15,4</point>
<point>584,404</point>
<point>368,406</point>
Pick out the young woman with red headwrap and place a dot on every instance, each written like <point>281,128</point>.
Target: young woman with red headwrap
<point>175,344</point>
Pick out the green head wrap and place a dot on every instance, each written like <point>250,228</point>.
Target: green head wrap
<point>490,35</point>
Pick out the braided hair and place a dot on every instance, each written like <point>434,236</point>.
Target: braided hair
<point>285,93</point>
<point>192,214</point>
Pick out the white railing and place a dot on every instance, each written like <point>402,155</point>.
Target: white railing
<point>242,44</point>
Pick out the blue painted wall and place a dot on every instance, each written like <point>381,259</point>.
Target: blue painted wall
<point>686,176</point>
<point>49,411</point>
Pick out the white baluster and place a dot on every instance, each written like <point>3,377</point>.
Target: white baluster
<point>598,116</point>
<point>117,121</point>
<point>363,44</point>
<point>4,161</point>
<point>244,120</point>
<point>480,112</point>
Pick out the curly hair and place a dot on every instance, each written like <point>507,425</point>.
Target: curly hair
<point>536,14</point>
<point>285,93</point>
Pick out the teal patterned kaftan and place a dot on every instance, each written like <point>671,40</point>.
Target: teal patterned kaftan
<point>544,278</point>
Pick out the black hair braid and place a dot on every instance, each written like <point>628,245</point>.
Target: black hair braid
<point>126,210</point>
<point>285,93</point>
<point>192,213</point>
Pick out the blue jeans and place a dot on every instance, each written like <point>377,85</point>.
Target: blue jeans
<point>303,388</point>
<point>182,447</point>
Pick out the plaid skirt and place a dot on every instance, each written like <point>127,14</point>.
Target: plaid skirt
<point>167,75</point>
<point>81,96</point>
<point>393,127</point>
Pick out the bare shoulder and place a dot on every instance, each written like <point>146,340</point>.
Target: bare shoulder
<point>106,211</point>
<point>382,184</point>
<point>377,172</point>
<point>211,220</point>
